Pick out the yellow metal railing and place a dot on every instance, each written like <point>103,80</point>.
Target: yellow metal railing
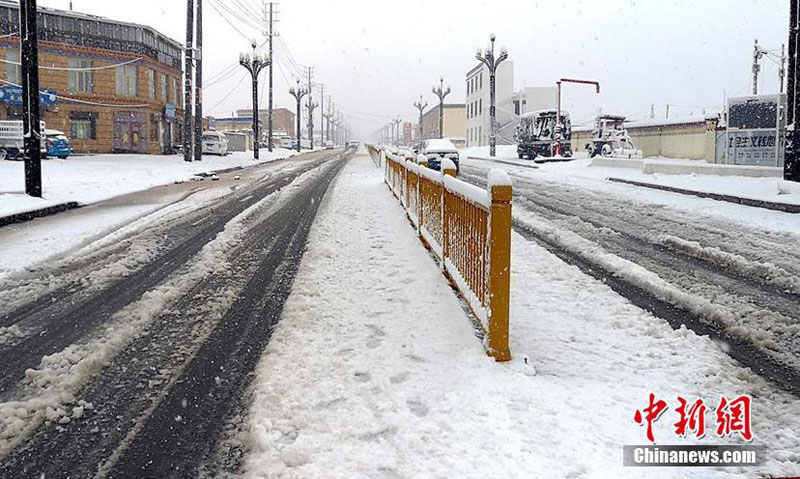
<point>469,230</point>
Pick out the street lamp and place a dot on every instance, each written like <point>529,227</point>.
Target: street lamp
<point>441,92</point>
<point>298,94</point>
<point>254,64</point>
<point>420,105</point>
<point>397,121</point>
<point>492,62</point>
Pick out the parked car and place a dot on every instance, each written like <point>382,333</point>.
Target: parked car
<point>435,150</point>
<point>58,144</point>
<point>287,142</point>
<point>215,143</point>
<point>329,145</point>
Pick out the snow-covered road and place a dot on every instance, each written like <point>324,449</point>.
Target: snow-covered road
<point>131,354</point>
<point>728,277</point>
<point>374,370</point>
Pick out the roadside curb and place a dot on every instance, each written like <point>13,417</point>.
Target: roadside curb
<point>41,212</point>
<point>770,205</point>
<point>533,167</point>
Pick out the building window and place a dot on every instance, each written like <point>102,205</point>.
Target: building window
<point>163,88</point>
<point>83,125</point>
<point>176,96</point>
<point>126,80</point>
<point>480,106</point>
<point>481,80</point>
<point>81,79</point>
<point>151,84</point>
<point>12,68</point>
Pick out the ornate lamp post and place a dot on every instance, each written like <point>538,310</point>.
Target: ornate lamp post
<point>298,94</point>
<point>492,62</point>
<point>420,105</point>
<point>254,64</point>
<point>441,92</point>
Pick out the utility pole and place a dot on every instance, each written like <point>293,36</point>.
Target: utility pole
<point>254,65</point>
<point>791,165</point>
<point>198,87</point>
<point>310,108</point>
<point>298,94</point>
<point>271,33</point>
<point>758,52</point>
<point>31,126</point>
<point>782,69</point>
<point>420,105</point>
<point>187,87</point>
<point>321,110</point>
<point>441,92</point>
<point>492,63</point>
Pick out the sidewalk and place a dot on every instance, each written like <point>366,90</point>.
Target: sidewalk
<point>374,369</point>
<point>89,179</point>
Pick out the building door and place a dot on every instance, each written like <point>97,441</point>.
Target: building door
<point>130,132</point>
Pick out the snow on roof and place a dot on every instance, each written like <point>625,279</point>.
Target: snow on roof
<point>653,122</point>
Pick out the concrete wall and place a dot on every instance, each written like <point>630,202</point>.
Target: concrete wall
<point>693,138</point>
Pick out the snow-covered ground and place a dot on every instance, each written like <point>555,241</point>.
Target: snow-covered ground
<point>579,171</point>
<point>89,179</point>
<point>379,374</point>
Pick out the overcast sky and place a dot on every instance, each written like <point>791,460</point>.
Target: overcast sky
<point>377,57</point>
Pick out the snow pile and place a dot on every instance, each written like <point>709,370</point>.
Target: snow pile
<point>374,370</point>
<point>764,271</point>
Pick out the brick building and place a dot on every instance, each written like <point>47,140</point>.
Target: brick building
<point>282,119</point>
<point>454,120</point>
<point>118,84</point>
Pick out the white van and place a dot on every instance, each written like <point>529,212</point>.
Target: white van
<point>214,143</point>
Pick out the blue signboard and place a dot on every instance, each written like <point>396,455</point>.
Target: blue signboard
<point>12,95</point>
<point>169,110</point>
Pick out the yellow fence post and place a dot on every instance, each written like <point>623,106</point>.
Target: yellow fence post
<point>499,265</point>
<point>448,169</point>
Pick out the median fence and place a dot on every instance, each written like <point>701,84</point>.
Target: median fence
<point>469,231</point>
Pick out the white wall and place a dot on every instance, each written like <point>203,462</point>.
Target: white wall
<point>477,99</point>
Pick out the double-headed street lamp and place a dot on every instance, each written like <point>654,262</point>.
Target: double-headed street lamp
<point>298,94</point>
<point>492,62</point>
<point>441,92</point>
<point>254,64</point>
<point>420,105</point>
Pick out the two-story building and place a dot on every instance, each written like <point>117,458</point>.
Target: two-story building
<point>112,86</point>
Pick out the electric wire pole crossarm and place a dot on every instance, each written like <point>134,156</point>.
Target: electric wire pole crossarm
<point>254,64</point>
<point>492,63</point>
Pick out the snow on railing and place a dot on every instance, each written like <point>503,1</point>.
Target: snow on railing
<point>374,153</point>
<point>469,231</point>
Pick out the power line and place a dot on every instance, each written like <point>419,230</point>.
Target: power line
<point>106,67</point>
<point>76,100</point>
<point>244,76</point>
<point>213,5</point>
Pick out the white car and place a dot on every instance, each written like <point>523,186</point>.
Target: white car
<point>215,143</point>
<point>329,145</point>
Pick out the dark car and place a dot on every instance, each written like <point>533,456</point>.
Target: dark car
<point>435,150</point>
